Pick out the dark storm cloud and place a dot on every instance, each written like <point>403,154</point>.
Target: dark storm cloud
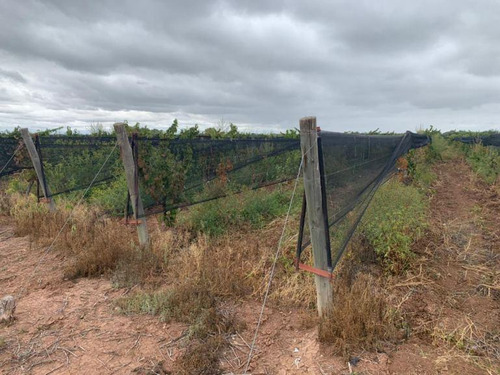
<point>264,64</point>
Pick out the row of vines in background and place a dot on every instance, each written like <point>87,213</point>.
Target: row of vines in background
<point>177,167</point>
<point>483,158</point>
<point>398,214</point>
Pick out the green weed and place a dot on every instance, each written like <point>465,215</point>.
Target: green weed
<point>396,218</point>
<point>253,208</point>
<point>485,161</point>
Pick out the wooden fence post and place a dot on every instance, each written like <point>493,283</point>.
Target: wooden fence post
<point>37,164</point>
<point>133,186</point>
<point>315,214</point>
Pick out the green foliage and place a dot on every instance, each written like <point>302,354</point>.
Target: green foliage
<point>291,133</point>
<point>181,304</point>
<point>378,132</point>
<point>110,197</point>
<point>420,166</point>
<point>221,132</point>
<point>396,218</point>
<point>254,208</point>
<point>420,172</point>
<point>420,161</point>
<point>20,183</point>
<point>162,174</point>
<point>485,161</point>
<point>190,133</point>
<point>454,134</point>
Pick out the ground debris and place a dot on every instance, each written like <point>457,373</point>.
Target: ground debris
<point>7,308</point>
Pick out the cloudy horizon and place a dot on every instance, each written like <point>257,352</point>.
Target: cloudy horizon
<point>259,64</point>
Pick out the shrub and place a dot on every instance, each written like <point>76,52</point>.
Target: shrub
<point>5,203</point>
<point>359,318</point>
<point>201,357</point>
<point>95,245</point>
<point>396,218</point>
<point>420,160</point>
<point>254,208</point>
<point>420,169</point>
<point>485,161</point>
<point>110,197</point>
<point>193,303</point>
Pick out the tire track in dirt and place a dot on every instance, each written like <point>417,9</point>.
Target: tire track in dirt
<point>454,316</point>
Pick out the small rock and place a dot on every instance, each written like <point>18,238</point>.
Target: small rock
<point>354,360</point>
<point>7,308</point>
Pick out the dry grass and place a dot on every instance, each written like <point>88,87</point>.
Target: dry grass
<point>203,272</point>
<point>223,266</point>
<point>360,317</point>
<point>230,266</point>
<point>470,338</point>
<point>201,357</point>
<point>210,322</point>
<point>94,245</point>
<point>474,343</point>
<point>5,202</point>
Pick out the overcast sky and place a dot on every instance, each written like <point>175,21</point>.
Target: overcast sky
<point>356,65</point>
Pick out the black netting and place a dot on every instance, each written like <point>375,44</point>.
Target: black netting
<point>12,156</point>
<point>172,173</point>
<point>70,163</point>
<point>486,140</point>
<point>181,172</point>
<point>354,166</point>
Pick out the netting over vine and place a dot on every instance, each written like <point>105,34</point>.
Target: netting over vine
<point>354,167</point>
<point>485,140</point>
<point>10,160</point>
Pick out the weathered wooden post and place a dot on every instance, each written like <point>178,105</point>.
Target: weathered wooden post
<point>315,213</point>
<point>132,183</point>
<point>37,164</point>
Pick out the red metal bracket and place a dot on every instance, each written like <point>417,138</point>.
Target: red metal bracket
<point>316,271</point>
<point>130,222</point>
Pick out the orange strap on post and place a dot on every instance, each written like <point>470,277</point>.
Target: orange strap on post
<point>130,222</point>
<point>316,271</point>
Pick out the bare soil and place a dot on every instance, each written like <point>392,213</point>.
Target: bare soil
<point>451,301</point>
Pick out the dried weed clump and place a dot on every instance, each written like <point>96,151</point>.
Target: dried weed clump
<point>201,357</point>
<point>94,244</point>
<point>5,202</point>
<point>223,266</point>
<point>360,318</point>
<point>191,302</point>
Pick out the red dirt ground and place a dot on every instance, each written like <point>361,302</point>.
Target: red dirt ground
<point>451,301</point>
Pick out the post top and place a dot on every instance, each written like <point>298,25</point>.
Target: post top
<point>308,123</point>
